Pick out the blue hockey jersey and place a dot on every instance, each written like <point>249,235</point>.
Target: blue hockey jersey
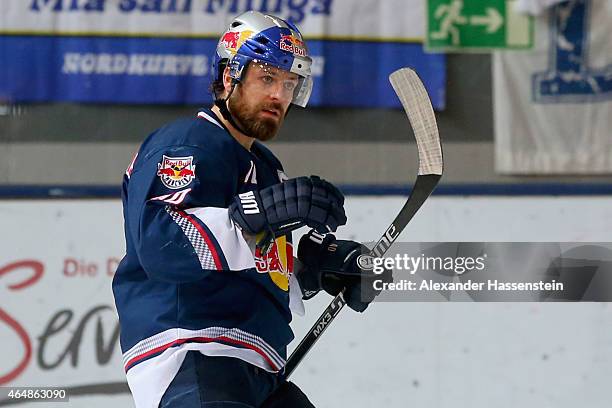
<point>189,279</point>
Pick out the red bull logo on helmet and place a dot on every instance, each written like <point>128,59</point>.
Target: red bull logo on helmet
<point>176,172</point>
<point>293,44</point>
<point>233,40</point>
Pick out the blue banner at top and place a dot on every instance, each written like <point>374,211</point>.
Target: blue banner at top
<point>159,51</point>
<point>176,70</point>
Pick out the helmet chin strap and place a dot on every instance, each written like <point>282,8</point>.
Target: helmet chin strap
<point>221,103</point>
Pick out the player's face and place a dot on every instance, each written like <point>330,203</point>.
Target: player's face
<point>260,102</point>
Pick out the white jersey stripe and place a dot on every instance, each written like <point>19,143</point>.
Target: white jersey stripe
<point>150,379</point>
<point>178,198</point>
<point>228,236</point>
<point>209,118</point>
<point>174,199</point>
<point>172,337</point>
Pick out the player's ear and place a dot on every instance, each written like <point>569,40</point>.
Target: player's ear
<point>227,80</point>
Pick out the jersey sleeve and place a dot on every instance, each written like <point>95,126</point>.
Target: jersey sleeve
<point>177,217</point>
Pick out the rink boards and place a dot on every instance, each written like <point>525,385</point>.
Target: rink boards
<point>57,259</point>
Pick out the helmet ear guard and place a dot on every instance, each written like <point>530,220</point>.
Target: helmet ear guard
<point>238,66</point>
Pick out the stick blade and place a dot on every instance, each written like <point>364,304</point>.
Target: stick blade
<point>416,103</point>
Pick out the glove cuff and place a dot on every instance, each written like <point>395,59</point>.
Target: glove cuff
<point>246,210</point>
<point>310,252</point>
<point>311,248</point>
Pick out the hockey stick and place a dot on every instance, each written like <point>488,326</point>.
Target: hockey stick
<point>417,105</point>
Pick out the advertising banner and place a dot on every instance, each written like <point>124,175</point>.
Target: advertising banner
<point>58,324</point>
<point>159,51</point>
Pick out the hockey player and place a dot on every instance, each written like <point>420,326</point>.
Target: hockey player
<point>203,292</point>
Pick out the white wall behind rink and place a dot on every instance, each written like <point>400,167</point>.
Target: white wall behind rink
<point>394,355</point>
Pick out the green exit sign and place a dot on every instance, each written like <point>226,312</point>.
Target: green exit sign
<point>478,25</point>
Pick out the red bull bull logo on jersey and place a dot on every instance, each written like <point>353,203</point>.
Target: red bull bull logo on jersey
<point>277,263</point>
<point>293,44</point>
<point>176,172</point>
<point>233,40</point>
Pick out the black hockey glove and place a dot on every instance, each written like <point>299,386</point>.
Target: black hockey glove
<point>331,264</point>
<point>284,207</point>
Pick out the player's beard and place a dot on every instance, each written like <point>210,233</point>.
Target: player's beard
<point>247,117</point>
